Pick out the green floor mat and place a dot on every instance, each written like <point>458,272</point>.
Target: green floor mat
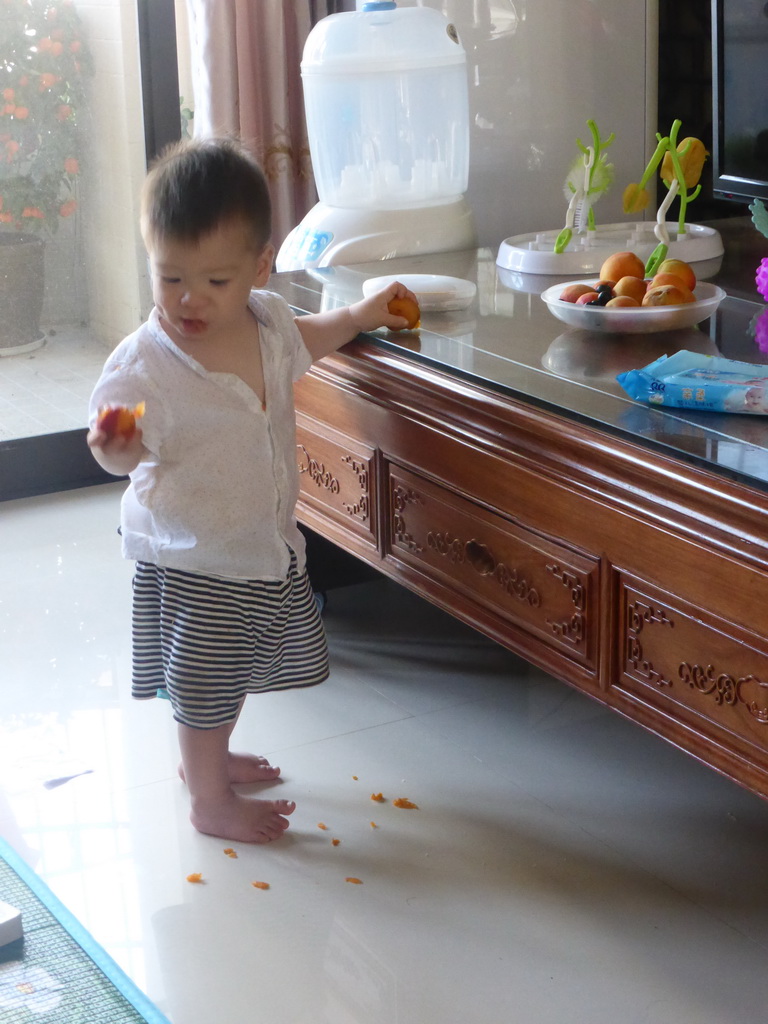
<point>59,974</point>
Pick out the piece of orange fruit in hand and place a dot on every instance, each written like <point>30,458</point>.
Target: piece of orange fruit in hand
<point>119,420</point>
<point>405,307</point>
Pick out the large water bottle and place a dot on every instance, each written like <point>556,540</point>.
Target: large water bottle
<point>385,94</point>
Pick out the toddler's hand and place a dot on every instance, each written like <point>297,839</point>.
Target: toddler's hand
<point>117,454</point>
<point>114,443</point>
<point>371,313</point>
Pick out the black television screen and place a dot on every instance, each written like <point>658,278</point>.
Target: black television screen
<point>740,99</point>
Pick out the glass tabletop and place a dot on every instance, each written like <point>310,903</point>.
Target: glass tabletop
<point>508,341</point>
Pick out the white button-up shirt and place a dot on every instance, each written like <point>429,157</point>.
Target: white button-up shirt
<point>218,491</point>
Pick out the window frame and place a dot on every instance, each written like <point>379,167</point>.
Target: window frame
<point>47,463</point>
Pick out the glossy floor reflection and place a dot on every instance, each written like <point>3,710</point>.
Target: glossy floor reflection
<point>563,865</point>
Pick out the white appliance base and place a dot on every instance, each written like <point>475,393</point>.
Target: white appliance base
<point>334,235</point>
<point>585,254</point>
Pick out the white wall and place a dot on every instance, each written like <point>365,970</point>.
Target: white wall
<point>538,70</point>
<point>113,170</point>
<point>184,53</point>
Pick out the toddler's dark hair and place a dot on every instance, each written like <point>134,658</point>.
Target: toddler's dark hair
<point>196,185</point>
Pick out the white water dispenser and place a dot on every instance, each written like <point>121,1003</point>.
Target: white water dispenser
<point>385,94</point>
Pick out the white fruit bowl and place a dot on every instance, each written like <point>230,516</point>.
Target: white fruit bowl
<point>633,319</point>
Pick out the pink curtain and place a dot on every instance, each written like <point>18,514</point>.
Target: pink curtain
<point>246,57</point>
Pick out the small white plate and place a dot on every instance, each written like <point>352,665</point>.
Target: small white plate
<point>435,293</point>
<point>633,319</point>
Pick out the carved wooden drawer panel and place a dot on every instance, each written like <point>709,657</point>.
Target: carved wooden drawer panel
<point>543,587</point>
<point>704,671</point>
<point>337,478</point>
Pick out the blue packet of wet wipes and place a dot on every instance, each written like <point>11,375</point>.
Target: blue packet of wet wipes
<point>692,380</point>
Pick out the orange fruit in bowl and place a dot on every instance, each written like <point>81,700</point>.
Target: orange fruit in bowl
<point>621,300</point>
<point>678,268</point>
<point>635,287</point>
<point>659,279</point>
<point>622,264</point>
<point>668,295</point>
<point>571,292</point>
<point>407,308</point>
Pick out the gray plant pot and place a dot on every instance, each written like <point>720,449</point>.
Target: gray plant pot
<point>22,286</point>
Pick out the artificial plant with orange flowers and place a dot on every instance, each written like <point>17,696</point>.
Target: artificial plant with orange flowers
<point>44,63</point>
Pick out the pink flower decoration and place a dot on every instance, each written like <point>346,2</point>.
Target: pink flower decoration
<point>761,278</point>
<point>759,327</point>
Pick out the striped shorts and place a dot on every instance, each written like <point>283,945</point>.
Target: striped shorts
<point>206,641</point>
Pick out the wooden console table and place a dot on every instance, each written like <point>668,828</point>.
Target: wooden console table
<point>493,465</point>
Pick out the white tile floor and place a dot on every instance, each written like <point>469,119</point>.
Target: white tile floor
<point>47,391</point>
<point>564,867</point>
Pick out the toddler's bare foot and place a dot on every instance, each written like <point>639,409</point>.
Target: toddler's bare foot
<point>242,819</point>
<point>244,768</point>
<point>251,768</point>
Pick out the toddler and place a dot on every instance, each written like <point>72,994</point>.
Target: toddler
<point>222,605</point>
